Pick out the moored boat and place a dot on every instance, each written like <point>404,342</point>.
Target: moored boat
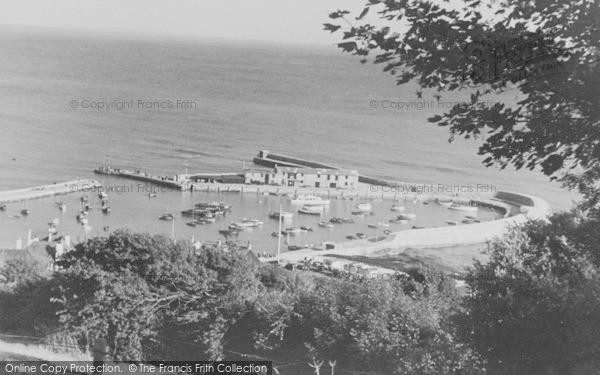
<point>248,223</point>
<point>310,200</point>
<point>284,215</point>
<point>2,207</point>
<point>310,210</point>
<point>407,216</point>
<point>398,208</point>
<point>361,236</point>
<point>325,224</point>
<point>364,206</point>
<point>457,207</point>
<point>450,222</point>
<point>166,216</point>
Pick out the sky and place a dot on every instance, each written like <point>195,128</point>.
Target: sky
<point>297,21</point>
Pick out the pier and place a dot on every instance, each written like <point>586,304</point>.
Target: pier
<point>48,190</point>
<point>171,182</point>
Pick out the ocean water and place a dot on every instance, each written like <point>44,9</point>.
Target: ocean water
<point>305,101</point>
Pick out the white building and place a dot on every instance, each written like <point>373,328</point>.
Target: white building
<point>302,177</point>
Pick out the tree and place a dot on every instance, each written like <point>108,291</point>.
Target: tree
<point>555,123</point>
<point>534,306</point>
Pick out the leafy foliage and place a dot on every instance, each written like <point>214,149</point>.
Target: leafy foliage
<point>554,124</point>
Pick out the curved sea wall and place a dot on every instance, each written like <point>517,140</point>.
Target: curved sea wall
<point>465,234</point>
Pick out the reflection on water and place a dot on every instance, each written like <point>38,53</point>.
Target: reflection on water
<point>134,209</point>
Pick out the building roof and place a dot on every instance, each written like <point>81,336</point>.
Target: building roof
<point>335,172</point>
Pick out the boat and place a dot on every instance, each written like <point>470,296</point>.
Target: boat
<point>213,206</point>
<point>3,207</point>
<point>227,232</point>
<point>294,231</point>
<point>364,206</point>
<point>84,221</point>
<point>87,228</point>
<point>284,215</point>
<point>276,234</point>
<point>417,227</point>
<point>166,216</point>
<point>308,229</point>
<point>407,216</point>
<point>102,195</point>
<point>325,224</point>
<point>309,210</point>
<point>235,228</point>
<point>106,228</point>
<point>387,231</point>
<point>398,207</point>
<point>351,237</point>
<point>106,209</point>
<point>54,221</point>
<point>52,230</point>
<point>24,212</point>
<point>372,225</point>
<point>358,213</point>
<point>463,208</point>
<point>85,198</point>
<point>152,195</point>
<point>62,206</point>
<point>361,235</point>
<point>81,215</point>
<point>191,223</point>
<point>399,221</point>
<point>385,225</point>
<point>248,223</point>
<point>14,217</point>
<point>450,222</point>
<point>468,221</point>
<point>295,247</point>
<point>310,200</point>
<point>445,203</point>
<point>208,219</point>
<point>87,206</point>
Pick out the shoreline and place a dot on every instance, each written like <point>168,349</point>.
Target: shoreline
<point>36,192</point>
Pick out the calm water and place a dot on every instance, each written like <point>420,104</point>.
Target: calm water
<point>304,101</point>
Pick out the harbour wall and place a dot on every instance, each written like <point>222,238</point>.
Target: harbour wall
<point>436,237</point>
<point>268,159</point>
<point>140,176</point>
<point>47,190</point>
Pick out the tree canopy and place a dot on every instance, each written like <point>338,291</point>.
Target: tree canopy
<point>546,49</point>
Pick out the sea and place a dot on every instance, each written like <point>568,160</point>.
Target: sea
<point>70,102</point>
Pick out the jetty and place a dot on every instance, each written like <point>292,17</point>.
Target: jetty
<point>174,182</point>
<point>61,188</point>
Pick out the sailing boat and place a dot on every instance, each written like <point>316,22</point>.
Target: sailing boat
<point>25,211</point>
<point>411,215</point>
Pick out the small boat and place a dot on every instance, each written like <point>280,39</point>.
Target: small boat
<point>102,195</point>
<point>209,219</point>
<point>235,228</point>
<point>14,217</point>
<point>152,195</point>
<point>84,221</point>
<point>54,222</point>
<point>295,247</point>
<point>358,213</point>
<point>284,215</point>
<point>377,200</point>
<point>445,203</point>
<point>226,232</point>
<point>166,216</point>
<point>310,200</point>
<point>82,215</point>
<point>24,212</point>
<point>191,223</point>
<point>463,208</point>
<point>308,229</point>
<point>470,217</point>
<point>449,222</point>
<point>2,207</point>
<point>361,235</point>
<point>385,225</point>
<point>399,221</point>
<point>273,193</point>
<point>325,224</point>
<point>52,230</point>
<point>87,228</point>
<point>87,206</point>
<point>372,225</point>
<point>294,231</point>
<point>398,208</point>
<point>407,216</point>
<point>417,227</point>
<point>106,228</point>
<point>62,206</point>
<point>468,221</point>
<point>309,211</point>
<point>106,209</point>
<point>387,231</point>
<point>85,198</point>
<point>351,237</point>
<point>248,223</point>
<point>276,234</point>
<point>364,206</point>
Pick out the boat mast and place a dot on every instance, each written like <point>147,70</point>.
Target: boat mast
<point>173,229</point>
<point>279,236</point>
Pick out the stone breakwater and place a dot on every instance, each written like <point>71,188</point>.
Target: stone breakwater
<point>47,190</point>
